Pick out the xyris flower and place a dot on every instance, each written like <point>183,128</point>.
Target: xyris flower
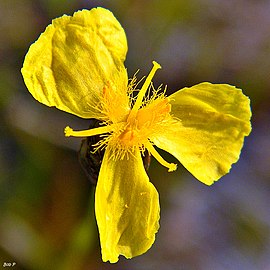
<point>77,65</point>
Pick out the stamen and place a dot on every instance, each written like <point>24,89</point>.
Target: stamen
<point>92,132</point>
<point>143,90</point>
<point>171,166</point>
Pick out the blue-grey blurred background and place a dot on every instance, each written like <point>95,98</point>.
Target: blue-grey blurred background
<point>46,203</point>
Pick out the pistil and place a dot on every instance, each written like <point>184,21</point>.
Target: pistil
<point>142,92</point>
<point>171,166</point>
<point>93,131</point>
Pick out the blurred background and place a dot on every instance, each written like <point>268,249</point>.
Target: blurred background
<point>46,202</point>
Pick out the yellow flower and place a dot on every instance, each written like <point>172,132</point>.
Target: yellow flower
<point>77,65</point>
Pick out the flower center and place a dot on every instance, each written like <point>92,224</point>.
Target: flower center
<point>143,121</point>
<point>141,125</point>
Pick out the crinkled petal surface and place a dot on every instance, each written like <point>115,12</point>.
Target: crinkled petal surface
<point>127,208</point>
<point>74,59</point>
<point>207,138</point>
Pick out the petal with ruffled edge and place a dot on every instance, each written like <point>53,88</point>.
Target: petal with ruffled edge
<point>207,137</point>
<point>74,59</point>
<point>127,207</point>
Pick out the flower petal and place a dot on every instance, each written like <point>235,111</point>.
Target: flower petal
<point>127,207</point>
<point>207,138</point>
<point>74,59</point>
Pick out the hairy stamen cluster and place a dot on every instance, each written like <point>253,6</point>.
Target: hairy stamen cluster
<point>135,128</point>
